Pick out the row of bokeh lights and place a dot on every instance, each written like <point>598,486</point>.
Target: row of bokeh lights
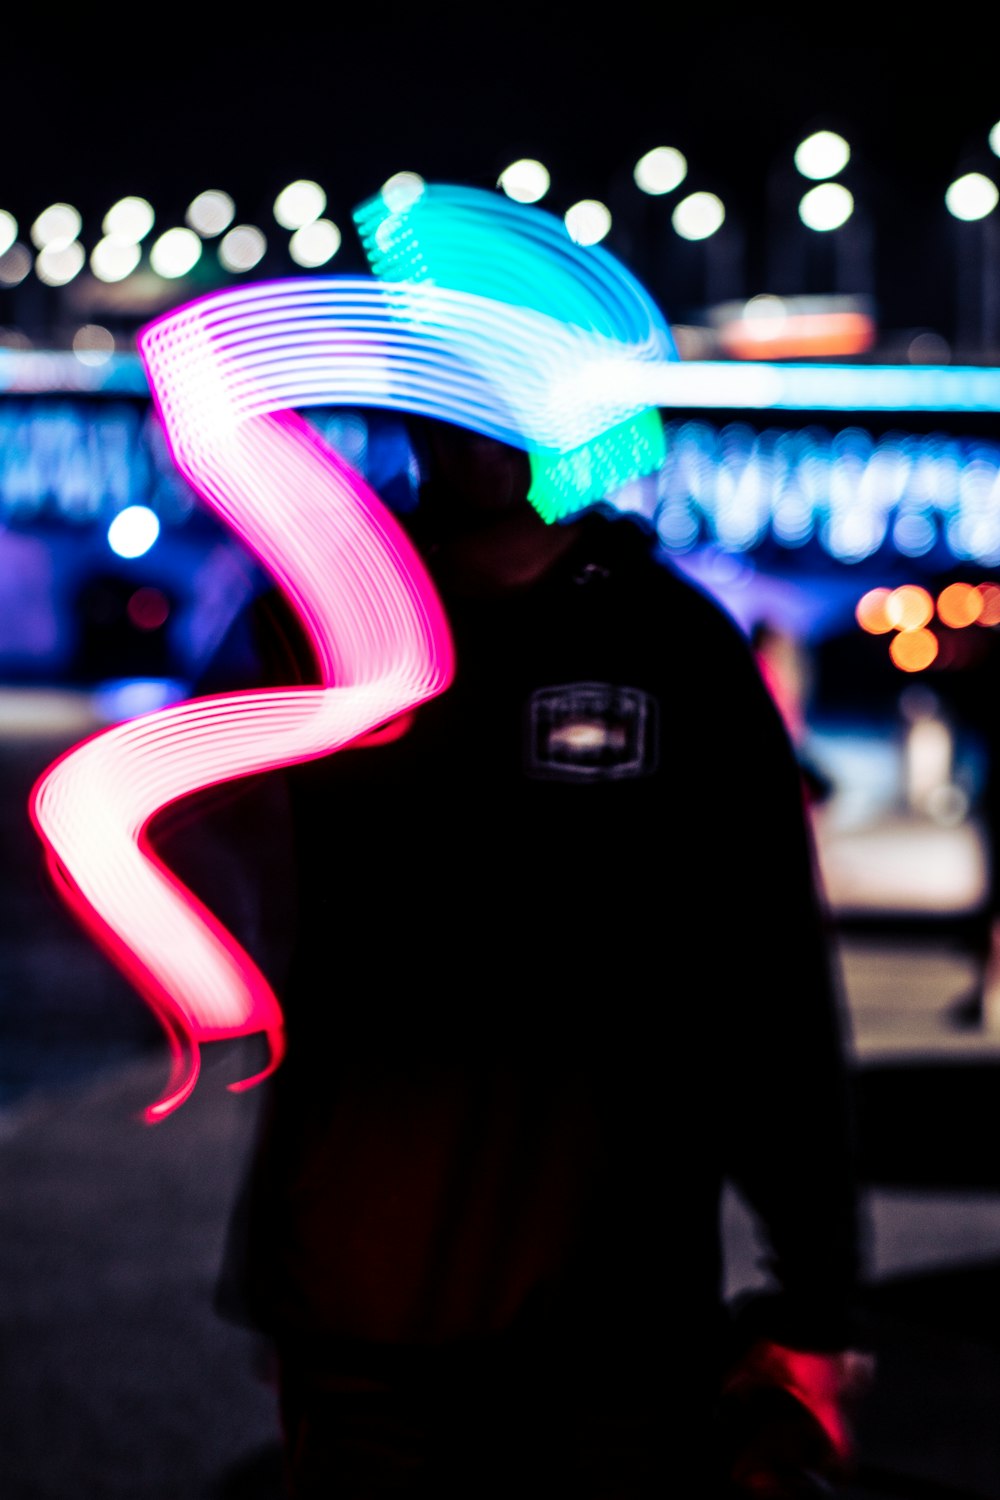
<point>658,172</point>
<point>821,157</point>
<point>905,613</point>
<point>60,255</point>
<point>314,240</point>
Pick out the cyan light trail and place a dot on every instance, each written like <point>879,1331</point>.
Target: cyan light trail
<point>431,234</point>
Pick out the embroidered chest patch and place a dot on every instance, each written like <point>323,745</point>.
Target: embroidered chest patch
<point>590,731</point>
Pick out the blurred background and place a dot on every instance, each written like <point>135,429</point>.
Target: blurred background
<point>814,205</point>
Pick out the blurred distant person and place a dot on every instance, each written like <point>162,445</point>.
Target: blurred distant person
<point>785,667</point>
<point>559,969</point>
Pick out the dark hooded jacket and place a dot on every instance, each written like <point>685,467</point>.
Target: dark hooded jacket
<point>560,967</point>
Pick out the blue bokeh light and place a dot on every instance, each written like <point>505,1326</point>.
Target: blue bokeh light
<point>133,531</point>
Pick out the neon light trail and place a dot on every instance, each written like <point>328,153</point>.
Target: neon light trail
<point>551,350</point>
<point>384,646</point>
<point>596,425</point>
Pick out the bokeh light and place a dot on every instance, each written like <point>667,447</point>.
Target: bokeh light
<point>913,533</point>
<point>93,344</point>
<point>909,607</point>
<point>112,259</point>
<point>242,248</point>
<point>928,348</point>
<point>989,593</point>
<point>175,253</point>
<point>56,226</point>
<point>299,203</point>
<point>8,230</point>
<point>314,244</point>
<point>130,220</point>
<point>15,264</point>
<point>133,531</point>
<point>526,181</point>
<point>57,264</point>
<point>148,608</point>
<point>959,604</point>
<point>827,206</point>
<point>822,154</point>
<point>660,170</point>
<point>402,189</point>
<point>870,611</point>
<point>698,216</point>
<point>210,213</point>
<point>972,196</point>
<point>588,221</point>
<point>913,650</point>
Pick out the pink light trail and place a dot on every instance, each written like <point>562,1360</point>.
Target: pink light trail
<point>380,636</point>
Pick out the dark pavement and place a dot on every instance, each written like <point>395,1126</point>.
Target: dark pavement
<point>119,1381</point>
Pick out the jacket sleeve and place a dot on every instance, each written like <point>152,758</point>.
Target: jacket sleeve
<point>787,1123</point>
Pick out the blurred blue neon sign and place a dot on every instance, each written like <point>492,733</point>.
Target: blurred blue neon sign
<point>733,481</point>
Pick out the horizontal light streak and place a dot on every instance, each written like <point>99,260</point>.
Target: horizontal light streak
<point>690,384</point>
<point>817,387</point>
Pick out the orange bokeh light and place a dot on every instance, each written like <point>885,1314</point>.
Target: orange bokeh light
<point>913,650</point>
<point>990,595</point>
<point>909,607</point>
<point>959,604</point>
<point>870,611</point>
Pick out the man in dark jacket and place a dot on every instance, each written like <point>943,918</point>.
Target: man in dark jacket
<point>559,969</point>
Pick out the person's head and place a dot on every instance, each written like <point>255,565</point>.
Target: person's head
<point>467,479</point>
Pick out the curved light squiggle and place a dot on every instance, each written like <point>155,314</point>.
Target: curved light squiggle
<point>525,259</point>
<point>512,372</point>
<point>228,373</point>
<point>382,642</point>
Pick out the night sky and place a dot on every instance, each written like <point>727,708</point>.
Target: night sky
<point>164,109</point>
